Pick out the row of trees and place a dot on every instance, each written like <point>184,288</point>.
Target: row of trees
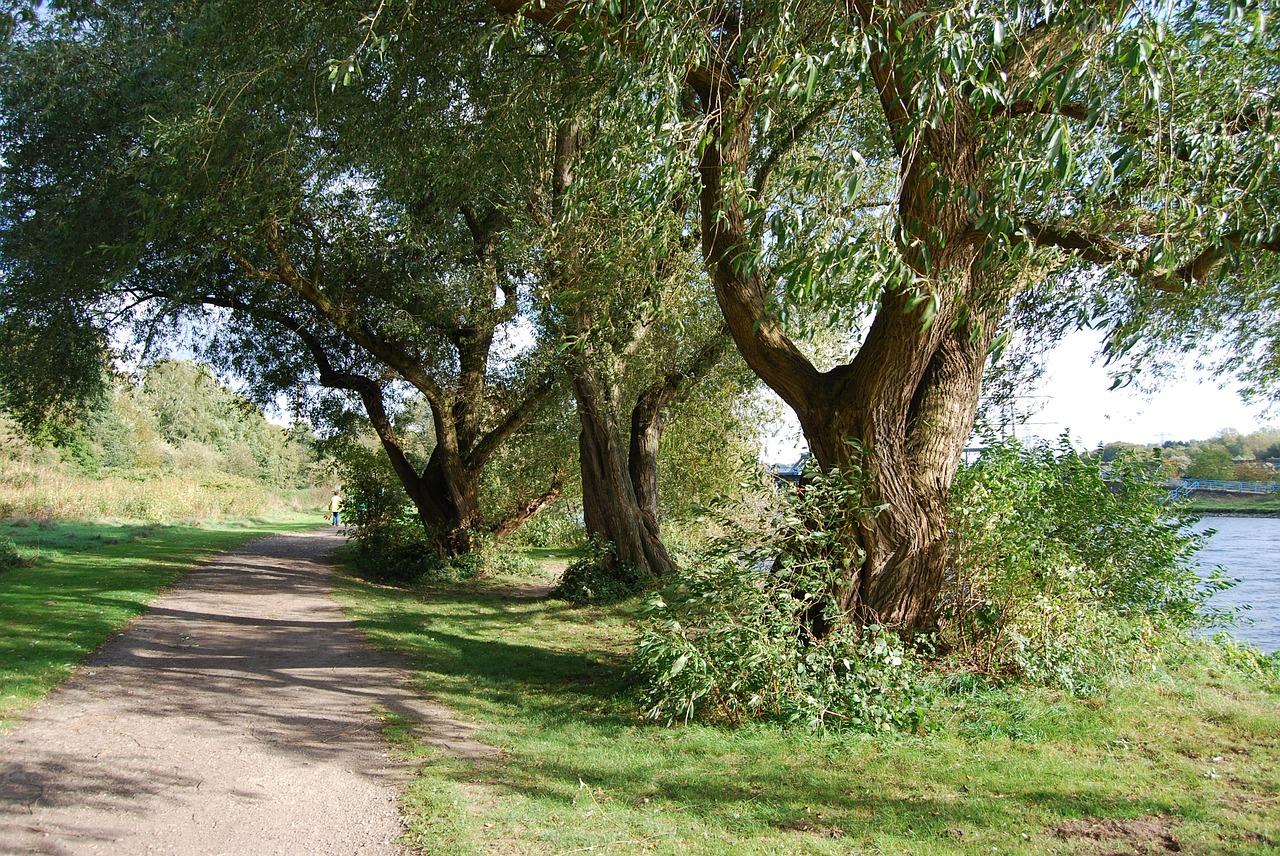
<point>1228,455</point>
<point>174,416</point>
<point>488,203</point>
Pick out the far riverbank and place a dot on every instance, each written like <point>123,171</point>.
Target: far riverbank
<point>1218,506</point>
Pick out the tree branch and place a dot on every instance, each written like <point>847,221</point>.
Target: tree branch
<point>385,351</point>
<point>1103,250</point>
<point>529,509</point>
<point>787,142</point>
<point>515,419</point>
<point>563,17</point>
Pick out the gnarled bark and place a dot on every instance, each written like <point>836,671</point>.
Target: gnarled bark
<point>611,508</point>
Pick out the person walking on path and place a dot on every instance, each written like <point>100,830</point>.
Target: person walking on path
<point>335,507</point>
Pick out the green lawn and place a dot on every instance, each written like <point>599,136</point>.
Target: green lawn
<point>85,582</point>
<point>1244,505</point>
<point>1191,762</point>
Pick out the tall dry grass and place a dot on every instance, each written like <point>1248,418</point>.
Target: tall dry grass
<point>48,491</point>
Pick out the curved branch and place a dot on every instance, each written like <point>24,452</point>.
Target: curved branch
<point>788,141</point>
<point>1103,250</point>
<point>515,419</point>
<point>385,351</point>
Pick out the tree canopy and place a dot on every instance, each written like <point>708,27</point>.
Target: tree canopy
<point>377,196</point>
<point>927,169</point>
<point>312,233</point>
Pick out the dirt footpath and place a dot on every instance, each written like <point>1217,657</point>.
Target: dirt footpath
<point>233,718</point>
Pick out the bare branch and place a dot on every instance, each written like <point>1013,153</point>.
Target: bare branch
<point>528,509</point>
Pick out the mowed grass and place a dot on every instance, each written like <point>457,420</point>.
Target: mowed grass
<point>1243,505</point>
<point>1189,762</point>
<point>86,581</point>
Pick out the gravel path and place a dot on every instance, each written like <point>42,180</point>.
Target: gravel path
<point>234,717</point>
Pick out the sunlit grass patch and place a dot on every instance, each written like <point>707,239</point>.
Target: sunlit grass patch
<point>1003,769</point>
<point>82,582</point>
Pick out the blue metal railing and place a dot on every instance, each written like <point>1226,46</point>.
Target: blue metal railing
<point>1182,487</point>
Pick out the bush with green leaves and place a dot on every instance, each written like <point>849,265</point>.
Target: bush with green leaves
<point>10,556</point>
<point>598,577</point>
<point>751,629</point>
<point>1063,573</point>
<point>506,561</point>
<point>730,644</point>
<point>1262,669</point>
<point>389,537</point>
<point>391,544</point>
<point>560,525</point>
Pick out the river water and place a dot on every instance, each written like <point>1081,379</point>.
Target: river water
<point>1248,548</point>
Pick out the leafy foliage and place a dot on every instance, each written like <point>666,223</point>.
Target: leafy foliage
<point>598,577</point>
<point>47,388</point>
<point>731,643</point>
<point>1064,574</point>
<point>559,526</point>
<point>390,543</point>
<point>180,418</point>
<point>744,635</point>
<point>1211,463</point>
<point>10,556</point>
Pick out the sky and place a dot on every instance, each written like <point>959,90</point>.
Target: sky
<point>1075,397</point>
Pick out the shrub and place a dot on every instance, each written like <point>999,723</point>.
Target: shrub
<point>558,526</point>
<point>598,577</point>
<point>741,635</point>
<point>731,644</point>
<point>508,562</point>
<point>1064,575</point>
<point>392,546</point>
<point>10,557</point>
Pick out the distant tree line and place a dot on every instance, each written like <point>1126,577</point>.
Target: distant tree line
<point>1227,456</point>
<point>174,416</point>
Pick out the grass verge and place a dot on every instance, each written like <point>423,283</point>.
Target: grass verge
<point>1244,505</point>
<point>77,583</point>
<point>1187,763</point>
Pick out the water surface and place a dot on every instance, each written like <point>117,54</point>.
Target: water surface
<point>1248,548</point>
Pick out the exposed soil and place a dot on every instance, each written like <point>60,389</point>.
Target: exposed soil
<point>236,716</point>
<point>1147,835</point>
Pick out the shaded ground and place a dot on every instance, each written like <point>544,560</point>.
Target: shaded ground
<point>236,716</point>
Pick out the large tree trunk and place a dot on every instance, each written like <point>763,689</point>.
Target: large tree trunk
<point>448,503</point>
<point>611,508</point>
<point>908,398</point>
<point>648,421</point>
<point>911,451</point>
<point>444,494</point>
<point>647,424</point>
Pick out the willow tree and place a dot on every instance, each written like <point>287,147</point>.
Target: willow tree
<point>628,298</point>
<point>924,167</point>
<point>330,235</point>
